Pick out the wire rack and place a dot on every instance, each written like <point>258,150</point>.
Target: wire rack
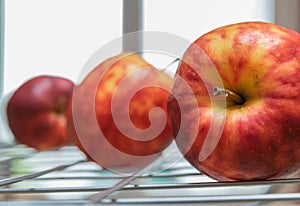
<point>64,177</point>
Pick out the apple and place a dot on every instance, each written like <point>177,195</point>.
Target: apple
<point>259,67</point>
<point>119,113</point>
<point>36,112</point>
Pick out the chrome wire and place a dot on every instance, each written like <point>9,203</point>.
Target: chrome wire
<point>70,180</point>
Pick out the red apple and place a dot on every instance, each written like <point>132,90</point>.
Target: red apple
<point>36,112</point>
<point>119,114</point>
<point>259,67</point>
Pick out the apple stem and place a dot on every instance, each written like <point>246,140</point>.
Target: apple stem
<point>171,63</point>
<point>228,94</point>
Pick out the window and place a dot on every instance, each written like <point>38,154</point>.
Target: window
<point>58,36</point>
<point>55,36</point>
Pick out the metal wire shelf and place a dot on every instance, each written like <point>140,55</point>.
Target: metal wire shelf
<point>63,177</point>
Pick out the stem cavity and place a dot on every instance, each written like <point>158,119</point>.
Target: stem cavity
<point>229,95</point>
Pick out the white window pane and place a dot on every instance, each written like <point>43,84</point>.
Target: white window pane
<point>55,36</point>
<point>58,36</point>
<point>191,18</point>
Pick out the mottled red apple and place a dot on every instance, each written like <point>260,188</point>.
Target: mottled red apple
<point>259,64</point>
<point>36,112</point>
<point>119,114</point>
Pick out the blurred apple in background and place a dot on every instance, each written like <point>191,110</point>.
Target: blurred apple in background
<point>36,112</point>
<point>118,115</point>
<point>259,64</point>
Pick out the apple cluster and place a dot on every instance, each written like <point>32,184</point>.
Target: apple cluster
<point>232,107</point>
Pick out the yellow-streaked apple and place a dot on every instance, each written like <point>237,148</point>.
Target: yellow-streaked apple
<point>118,116</point>
<point>259,65</point>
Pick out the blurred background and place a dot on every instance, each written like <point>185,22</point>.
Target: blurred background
<point>58,36</point>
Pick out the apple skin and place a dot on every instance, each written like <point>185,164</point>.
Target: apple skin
<point>260,139</point>
<point>127,85</point>
<point>36,112</point>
